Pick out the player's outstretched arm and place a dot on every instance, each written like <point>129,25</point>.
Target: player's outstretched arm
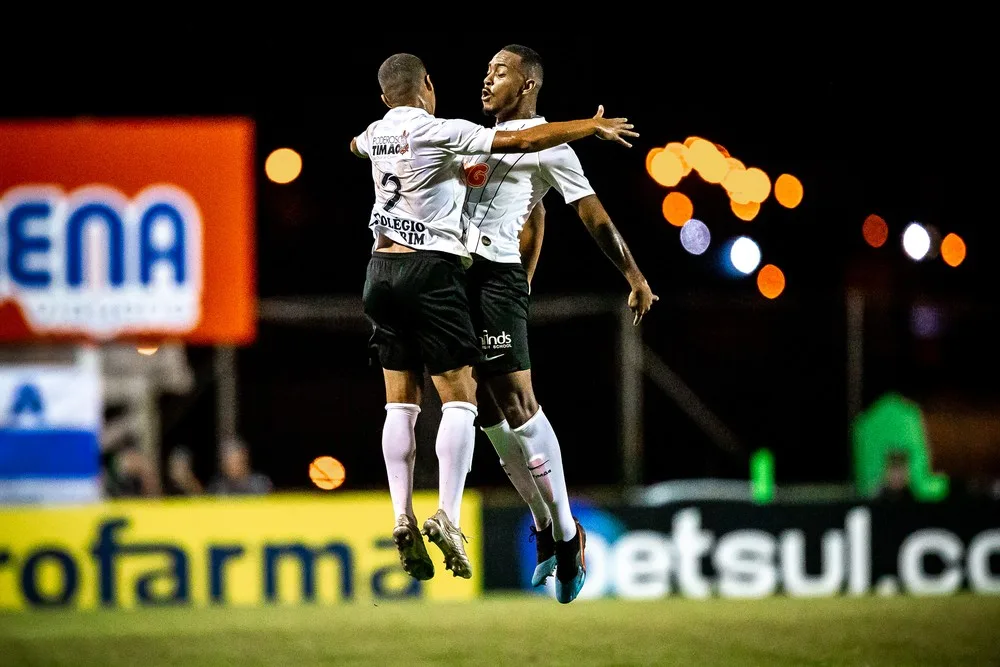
<point>547,135</point>
<point>531,240</point>
<point>605,234</point>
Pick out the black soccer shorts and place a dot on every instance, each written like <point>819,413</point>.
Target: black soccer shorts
<point>418,306</point>
<point>499,303</point>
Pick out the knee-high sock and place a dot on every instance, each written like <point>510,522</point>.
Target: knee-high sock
<point>545,463</point>
<point>399,448</point>
<point>515,464</point>
<point>456,442</point>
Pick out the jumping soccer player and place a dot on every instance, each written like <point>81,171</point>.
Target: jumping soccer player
<point>503,192</point>
<point>414,292</point>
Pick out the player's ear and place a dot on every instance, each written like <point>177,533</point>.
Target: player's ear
<point>386,101</point>
<point>427,82</point>
<point>529,85</point>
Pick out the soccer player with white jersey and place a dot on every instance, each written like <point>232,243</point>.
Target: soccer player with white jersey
<point>504,192</point>
<point>415,294</point>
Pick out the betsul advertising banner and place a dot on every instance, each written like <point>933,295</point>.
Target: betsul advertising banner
<point>739,550</point>
<point>127,229</point>
<point>233,551</point>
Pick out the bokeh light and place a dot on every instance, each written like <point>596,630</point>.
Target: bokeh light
<point>649,159</point>
<point>283,165</point>
<point>706,159</point>
<point>737,184</point>
<point>953,249</point>
<point>788,191</point>
<point>735,164</point>
<point>916,241</point>
<point>745,255</point>
<point>757,184</point>
<point>147,350</point>
<point>770,281</point>
<point>677,208</point>
<point>875,230</point>
<point>695,237</point>
<point>681,151</point>
<point>666,168</point>
<point>746,211</point>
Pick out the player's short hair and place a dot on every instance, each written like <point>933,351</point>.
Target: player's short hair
<point>401,76</point>
<point>531,62</point>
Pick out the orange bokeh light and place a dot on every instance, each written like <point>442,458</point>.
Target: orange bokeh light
<point>875,231</point>
<point>666,168</point>
<point>953,249</point>
<point>770,281</point>
<point>677,208</point>
<point>649,159</point>
<point>758,185</point>
<point>681,151</point>
<point>736,184</point>
<point>706,159</point>
<point>746,211</point>
<point>788,191</point>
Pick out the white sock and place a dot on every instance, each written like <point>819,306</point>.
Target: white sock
<point>399,448</point>
<point>456,442</point>
<point>515,464</point>
<point>545,463</point>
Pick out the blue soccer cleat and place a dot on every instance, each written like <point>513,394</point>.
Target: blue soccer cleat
<point>545,549</point>
<point>571,566</point>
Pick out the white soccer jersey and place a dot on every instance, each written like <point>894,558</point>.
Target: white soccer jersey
<point>419,187</point>
<point>502,190</point>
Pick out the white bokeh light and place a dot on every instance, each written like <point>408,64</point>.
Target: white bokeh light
<point>745,255</point>
<point>695,236</point>
<point>916,241</point>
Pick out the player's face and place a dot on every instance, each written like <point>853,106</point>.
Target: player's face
<point>503,84</point>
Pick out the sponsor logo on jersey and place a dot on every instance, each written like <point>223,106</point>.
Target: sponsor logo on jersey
<point>499,341</point>
<point>476,174</point>
<point>391,145</point>
<point>411,233</point>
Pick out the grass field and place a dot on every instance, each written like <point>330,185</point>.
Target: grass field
<point>896,632</point>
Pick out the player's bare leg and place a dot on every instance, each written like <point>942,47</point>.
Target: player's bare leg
<point>399,448</point>
<point>531,427</point>
<point>455,445</point>
<point>515,464</point>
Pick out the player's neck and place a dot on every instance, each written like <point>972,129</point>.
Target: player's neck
<point>517,113</point>
<point>416,104</point>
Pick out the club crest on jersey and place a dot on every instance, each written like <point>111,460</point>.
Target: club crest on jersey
<point>391,145</point>
<point>476,174</point>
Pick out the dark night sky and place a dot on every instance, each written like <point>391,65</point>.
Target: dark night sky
<point>865,125</point>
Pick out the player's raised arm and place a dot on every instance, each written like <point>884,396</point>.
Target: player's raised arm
<point>531,240</point>
<point>597,221</point>
<point>547,135</point>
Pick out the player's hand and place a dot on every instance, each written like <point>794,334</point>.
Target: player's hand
<point>640,300</point>
<point>613,129</point>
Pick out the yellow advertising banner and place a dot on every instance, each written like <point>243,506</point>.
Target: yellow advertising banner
<point>280,549</point>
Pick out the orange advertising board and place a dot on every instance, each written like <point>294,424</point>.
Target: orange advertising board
<point>127,229</point>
